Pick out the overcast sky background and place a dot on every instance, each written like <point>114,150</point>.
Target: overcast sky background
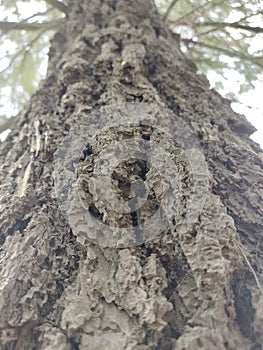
<point>251,102</point>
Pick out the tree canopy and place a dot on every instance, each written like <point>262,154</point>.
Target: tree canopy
<point>218,35</point>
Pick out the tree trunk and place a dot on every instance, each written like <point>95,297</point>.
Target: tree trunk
<point>80,273</point>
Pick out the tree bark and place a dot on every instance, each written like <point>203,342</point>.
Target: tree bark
<point>192,288</point>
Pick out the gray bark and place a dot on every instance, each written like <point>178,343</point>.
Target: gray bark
<point>60,287</point>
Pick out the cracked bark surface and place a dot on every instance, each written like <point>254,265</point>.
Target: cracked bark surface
<point>178,291</point>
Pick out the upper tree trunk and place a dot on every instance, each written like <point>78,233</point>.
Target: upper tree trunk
<point>191,290</point>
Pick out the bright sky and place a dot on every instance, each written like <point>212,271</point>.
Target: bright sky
<point>253,98</point>
<point>255,113</point>
<point>251,102</point>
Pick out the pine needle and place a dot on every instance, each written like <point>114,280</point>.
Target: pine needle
<point>251,268</point>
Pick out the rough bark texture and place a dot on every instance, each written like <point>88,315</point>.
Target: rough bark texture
<point>179,291</point>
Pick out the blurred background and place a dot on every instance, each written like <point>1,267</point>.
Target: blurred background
<point>223,38</point>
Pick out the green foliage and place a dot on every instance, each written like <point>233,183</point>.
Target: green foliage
<point>22,74</point>
<point>24,52</point>
<point>219,35</point>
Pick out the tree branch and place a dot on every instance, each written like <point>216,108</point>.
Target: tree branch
<point>227,52</point>
<point>38,14</point>
<point>232,25</point>
<point>249,16</point>
<point>181,19</point>
<point>7,26</point>
<point>59,5</point>
<point>27,46</point>
<point>166,15</point>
